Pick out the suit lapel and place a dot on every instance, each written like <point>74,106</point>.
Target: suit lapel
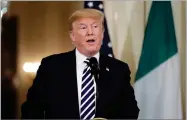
<point>72,84</point>
<point>103,69</point>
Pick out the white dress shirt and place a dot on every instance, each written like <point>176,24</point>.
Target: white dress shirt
<point>80,66</point>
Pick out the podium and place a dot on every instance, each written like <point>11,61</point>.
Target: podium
<point>99,118</point>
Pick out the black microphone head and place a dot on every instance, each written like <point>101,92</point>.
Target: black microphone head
<point>94,65</point>
<point>93,60</point>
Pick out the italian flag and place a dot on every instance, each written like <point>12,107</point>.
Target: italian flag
<point>157,81</point>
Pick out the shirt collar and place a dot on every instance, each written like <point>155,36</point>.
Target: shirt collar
<point>80,58</point>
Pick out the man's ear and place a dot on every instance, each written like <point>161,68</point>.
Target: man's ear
<point>103,29</point>
<point>72,35</point>
<point>103,33</point>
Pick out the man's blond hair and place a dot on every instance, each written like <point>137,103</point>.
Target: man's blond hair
<point>86,13</point>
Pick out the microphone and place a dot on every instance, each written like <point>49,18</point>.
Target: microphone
<point>94,66</point>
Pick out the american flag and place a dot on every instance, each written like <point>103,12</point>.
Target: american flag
<point>107,45</point>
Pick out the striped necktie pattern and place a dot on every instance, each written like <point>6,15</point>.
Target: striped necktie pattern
<point>88,94</point>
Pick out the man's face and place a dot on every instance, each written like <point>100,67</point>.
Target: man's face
<point>87,35</point>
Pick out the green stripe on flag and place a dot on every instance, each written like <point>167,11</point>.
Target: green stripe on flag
<point>159,40</point>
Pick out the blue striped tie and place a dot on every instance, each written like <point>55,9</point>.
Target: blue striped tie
<point>88,97</point>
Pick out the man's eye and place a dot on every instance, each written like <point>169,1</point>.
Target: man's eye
<point>95,26</point>
<point>83,27</point>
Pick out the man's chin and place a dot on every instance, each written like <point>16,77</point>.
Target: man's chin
<point>92,52</point>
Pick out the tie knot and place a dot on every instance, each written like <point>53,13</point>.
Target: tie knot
<point>90,60</point>
<point>87,61</point>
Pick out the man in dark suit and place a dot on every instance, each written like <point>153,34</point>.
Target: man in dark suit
<point>83,83</point>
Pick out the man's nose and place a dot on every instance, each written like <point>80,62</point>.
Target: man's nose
<point>90,31</point>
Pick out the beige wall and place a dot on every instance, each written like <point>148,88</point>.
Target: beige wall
<point>43,30</point>
<point>180,23</point>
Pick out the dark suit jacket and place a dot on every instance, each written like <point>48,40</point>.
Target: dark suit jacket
<point>54,90</point>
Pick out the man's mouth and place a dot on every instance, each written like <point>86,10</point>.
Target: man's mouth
<point>90,41</point>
